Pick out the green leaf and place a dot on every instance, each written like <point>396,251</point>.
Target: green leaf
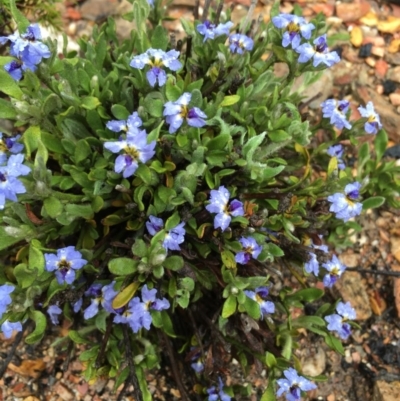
<point>270,360</point>
<point>82,151</point>
<point>52,142</point>
<point>40,326</point>
<point>381,141</point>
<point>252,144</point>
<point>252,308</point>
<point>36,259</point>
<point>125,295</point>
<point>77,338</point>
<point>139,248</point>
<point>7,240</point>
<point>174,263</point>
<point>172,221</point>
<point>20,19</point>
<point>230,100</point>
<point>160,38</point>
<point>229,307</point>
<point>120,112</point>
<point>31,139</point>
<point>25,275</point>
<point>84,211</point>
<point>171,90</point>
<point>219,142</point>
<point>122,266</point>
<point>334,343</point>
<point>269,393</point>
<point>7,111</point>
<point>306,295</point>
<point>373,202</point>
<point>90,102</point>
<point>228,259</point>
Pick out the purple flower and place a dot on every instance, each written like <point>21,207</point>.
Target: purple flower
<point>64,264</point>
<point>16,67</point>
<point>335,269</point>
<point>136,149</point>
<point>312,265</point>
<point>9,144</point>
<point>215,394</point>
<point>157,59</point>
<point>8,327</point>
<point>211,31</point>
<point>76,306</point>
<point>174,237</point>
<point>10,186</point>
<point>338,322</point>
<point>176,112</point>
<point>259,295</point>
<point>198,364</point>
<point>138,312</point>
<point>319,52</point>
<point>131,124</point>
<point>103,295</point>
<point>293,385</point>
<point>337,151</point>
<point>336,111</point>
<point>219,204</point>
<point>345,205</point>
<point>5,299</point>
<point>373,123</point>
<point>154,225</point>
<point>250,250</point>
<point>239,43</point>
<point>53,311</point>
<point>295,28</point>
<point>27,47</point>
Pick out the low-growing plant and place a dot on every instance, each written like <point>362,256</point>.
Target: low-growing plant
<point>157,194</point>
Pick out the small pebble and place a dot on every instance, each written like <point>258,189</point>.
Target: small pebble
<point>365,50</point>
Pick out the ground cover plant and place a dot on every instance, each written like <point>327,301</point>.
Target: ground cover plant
<point>150,190</point>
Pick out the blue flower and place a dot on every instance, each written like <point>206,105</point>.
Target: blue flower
<point>64,264</point>
<point>178,111</point>
<point>337,151</point>
<point>9,144</point>
<point>250,250</point>
<point>215,394</point>
<point>174,237</point>
<point>345,205</point>
<point>198,364</point>
<point>338,322</point>
<point>336,111</point>
<point>27,48</point>
<point>154,225</point>
<point>312,265</point>
<point>131,124</point>
<point>259,295</point>
<point>295,28</point>
<point>5,299</point>
<point>10,186</point>
<point>211,31</point>
<point>102,294</point>
<point>319,52</point>
<point>373,123</point>
<point>238,43</point>
<point>138,315</point>
<point>219,204</point>
<point>335,269</point>
<point>53,311</point>
<point>16,67</point>
<point>136,149</point>
<point>8,327</point>
<point>157,59</point>
<point>293,385</point>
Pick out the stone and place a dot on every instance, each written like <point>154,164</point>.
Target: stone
<point>381,68</point>
<point>393,58</point>
<point>314,365</point>
<point>384,391</point>
<point>350,259</point>
<point>394,74</point>
<point>352,289</point>
<point>323,87</point>
<point>395,99</point>
<point>63,392</point>
<point>349,12</point>
<point>98,10</point>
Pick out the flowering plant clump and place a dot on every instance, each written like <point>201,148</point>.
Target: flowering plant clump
<point>162,196</point>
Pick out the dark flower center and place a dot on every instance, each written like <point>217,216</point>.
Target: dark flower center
<point>14,65</point>
<point>353,194</point>
<point>321,46</point>
<point>3,177</point>
<point>192,114</point>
